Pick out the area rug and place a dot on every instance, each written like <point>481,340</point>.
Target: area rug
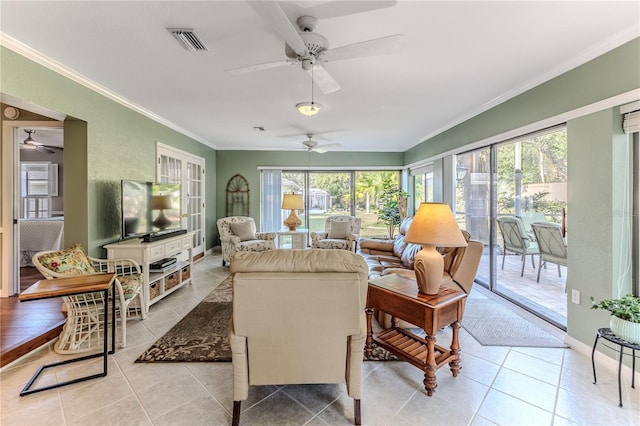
<point>202,335</point>
<point>493,324</point>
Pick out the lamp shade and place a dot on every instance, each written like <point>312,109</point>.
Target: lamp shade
<point>292,202</point>
<point>160,202</point>
<point>434,224</point>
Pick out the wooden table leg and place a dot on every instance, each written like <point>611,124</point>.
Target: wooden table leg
<point>455,350</point>
<point>430,383</point>
<point>368,347</point>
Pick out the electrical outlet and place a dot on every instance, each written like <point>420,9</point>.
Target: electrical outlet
<point>575,296</point>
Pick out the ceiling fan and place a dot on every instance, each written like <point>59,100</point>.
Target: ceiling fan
<point>311,50</point>
<point>313,146</point>
<point>29,143</point>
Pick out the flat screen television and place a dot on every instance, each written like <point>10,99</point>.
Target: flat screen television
<point>149,208</point>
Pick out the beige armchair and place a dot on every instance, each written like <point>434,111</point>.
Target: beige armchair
<point>238,233</point>
<point>340,232</point>
<point>298,318</point>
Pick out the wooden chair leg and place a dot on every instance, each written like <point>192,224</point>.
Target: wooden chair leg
<point>356,411</point>
<point>236,413</point>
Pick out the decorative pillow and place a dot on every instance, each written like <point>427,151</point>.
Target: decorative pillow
<point>243,230</point>
<point>130,284</point>
<point>340,230</point>
<point>70,261</point>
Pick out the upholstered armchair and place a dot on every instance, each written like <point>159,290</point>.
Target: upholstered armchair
<point>84,325</point>
<point>298,318</point>
<point>340,232</point>
<point>238,233</point>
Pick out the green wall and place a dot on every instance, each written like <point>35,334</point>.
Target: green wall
<point>104,143</point>
<point>246,163</point>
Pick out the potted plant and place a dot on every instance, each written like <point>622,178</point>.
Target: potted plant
<point>625,316</point>
<point>390,213</point>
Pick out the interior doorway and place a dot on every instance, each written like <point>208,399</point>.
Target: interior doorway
<point>32,206</point>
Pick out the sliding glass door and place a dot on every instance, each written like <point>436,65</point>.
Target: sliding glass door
<point>524,180</point>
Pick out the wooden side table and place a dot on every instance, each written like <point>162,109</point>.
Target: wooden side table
<point>75,285</point>
<point>399,297</point>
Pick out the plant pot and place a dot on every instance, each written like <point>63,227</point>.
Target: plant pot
<point>627,330</point>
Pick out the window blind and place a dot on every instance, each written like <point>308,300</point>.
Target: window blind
<point>631,122</point>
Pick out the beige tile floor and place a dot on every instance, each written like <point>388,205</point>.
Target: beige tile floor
<point>497,385</point>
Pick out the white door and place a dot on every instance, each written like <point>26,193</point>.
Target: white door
<point>176,166</point>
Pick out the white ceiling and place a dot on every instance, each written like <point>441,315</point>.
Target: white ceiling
<point>459,59</point>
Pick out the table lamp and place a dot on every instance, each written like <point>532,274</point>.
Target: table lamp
<point>433,225</point>
<point>161,202</point>
<point>293,202</point>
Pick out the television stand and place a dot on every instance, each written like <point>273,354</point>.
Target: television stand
<point>157,236</point>
<point>158,283</point>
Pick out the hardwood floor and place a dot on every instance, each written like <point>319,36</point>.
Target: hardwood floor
<point>25,326</point>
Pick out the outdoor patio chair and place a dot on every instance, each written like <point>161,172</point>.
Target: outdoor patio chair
<point>515,239</point>
<point>553,247</point>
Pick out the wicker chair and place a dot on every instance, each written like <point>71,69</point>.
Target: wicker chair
<point>83,329</point>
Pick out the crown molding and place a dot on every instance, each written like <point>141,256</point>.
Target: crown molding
<point>37,57</point>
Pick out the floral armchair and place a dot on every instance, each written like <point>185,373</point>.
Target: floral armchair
<point>340,232</point>
<point>238,233</point>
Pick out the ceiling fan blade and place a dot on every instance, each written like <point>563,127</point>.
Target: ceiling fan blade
<point>271,11</point>
<point>378,46</point>
<point>330,146</point>
<point>323,80</point>
<point>258,67</point>
<point>43,148</point>
<point>318,150</point>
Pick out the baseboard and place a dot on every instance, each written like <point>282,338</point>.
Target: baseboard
<point>602,359</point>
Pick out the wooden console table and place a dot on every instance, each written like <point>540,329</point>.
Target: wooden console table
<point>75,285</point>
<point>399,297</point>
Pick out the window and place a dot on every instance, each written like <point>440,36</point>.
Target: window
<point>422,186</point>
<point>38,183</point>
<point>327,193</point>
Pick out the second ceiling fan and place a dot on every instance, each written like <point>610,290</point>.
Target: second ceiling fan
<point>311,50</point>
<point>313,146</point>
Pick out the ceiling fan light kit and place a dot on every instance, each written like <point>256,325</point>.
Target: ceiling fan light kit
<point>308,108</point>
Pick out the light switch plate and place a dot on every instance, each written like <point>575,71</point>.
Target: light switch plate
<point>575,297</point>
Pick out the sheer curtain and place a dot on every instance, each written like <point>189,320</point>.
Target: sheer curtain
<point>271,200</point>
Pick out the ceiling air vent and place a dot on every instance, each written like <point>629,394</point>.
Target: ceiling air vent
<point>188,39</point>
